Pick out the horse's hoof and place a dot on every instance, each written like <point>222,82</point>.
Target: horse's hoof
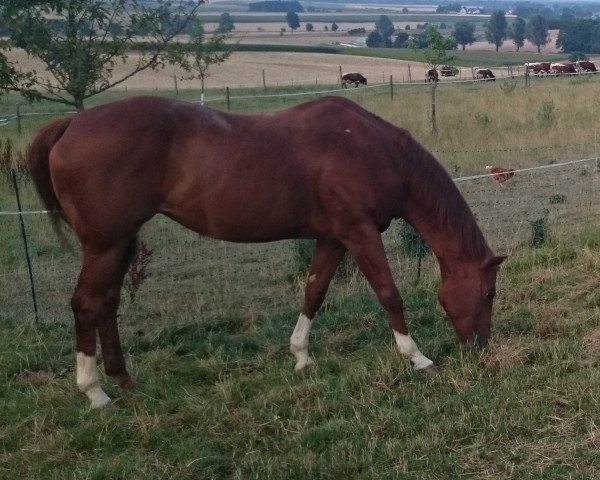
<point>301,364</point>
<point>124,381</point>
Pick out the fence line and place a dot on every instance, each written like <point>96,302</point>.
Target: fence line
<point>195,276</point>
<point>4,121</point>
<point>548,166</point>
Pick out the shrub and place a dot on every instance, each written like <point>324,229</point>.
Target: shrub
<point>304,252</point>
<point>558,198</point>
<point>11,159</point>
<point>546,112</point>
<point>539,231</point>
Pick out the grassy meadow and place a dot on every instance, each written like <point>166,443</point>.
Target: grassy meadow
<point>206,335</point>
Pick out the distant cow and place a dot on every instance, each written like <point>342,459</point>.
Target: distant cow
<point>585,66</point>
<point>355,78</point>
<point>562,68</point>
<point>432,75</point>
<point>538,68</point>
<point>500,174</point>
<point>484,73</point>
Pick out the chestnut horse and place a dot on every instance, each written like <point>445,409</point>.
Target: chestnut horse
<point>327,169</point>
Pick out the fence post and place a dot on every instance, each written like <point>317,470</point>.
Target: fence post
<point>391,87</point>
<point>340,74</point>
<point>176,88</point>
<point>409,75</point>
<point>264,81</point>
<point>227,97</point>
<point>19,119</point>
<point>24,235</point>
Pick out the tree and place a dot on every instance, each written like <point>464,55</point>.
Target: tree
<point>537,31</point>
<point>334,27</point>
<point>496,29</point>
<point>225,23</point>
<point>385,26</point>
<point>206,53</point>
<point>80,41</point>
<point>310,27</point>
<point>579,35</point>
<point>434,55</point>
<point>401,40</point>
<point>517,32</point>
<point>374,39</point>
<point>293,20</point>
<point>464,33</point>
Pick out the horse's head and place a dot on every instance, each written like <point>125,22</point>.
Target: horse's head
<point>466,294</point>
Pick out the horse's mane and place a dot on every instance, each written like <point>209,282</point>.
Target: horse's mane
<point>427,181</point>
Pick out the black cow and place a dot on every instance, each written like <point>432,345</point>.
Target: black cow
<point>355,78</point>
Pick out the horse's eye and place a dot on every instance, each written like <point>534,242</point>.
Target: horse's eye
<point>490,294</point>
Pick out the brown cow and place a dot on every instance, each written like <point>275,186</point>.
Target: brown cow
<point>562,68</point>
<point>538,68</point>
<point>485,74</point>
<point>585,66</point>
<point>355,78</point>
<point>432,75</point>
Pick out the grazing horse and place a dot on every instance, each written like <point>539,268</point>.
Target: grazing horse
<point>431,75</point>
<point>242,178</point>
<point>355,78</point>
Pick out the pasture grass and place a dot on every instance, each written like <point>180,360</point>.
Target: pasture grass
<point>216,397</point>
<point>207,336</point>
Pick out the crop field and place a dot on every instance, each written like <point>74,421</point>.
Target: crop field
<point>206,334</point>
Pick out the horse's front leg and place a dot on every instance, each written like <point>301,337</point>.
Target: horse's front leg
<point>95,303</point>
<point>365,245</point>
<point>326,258</point>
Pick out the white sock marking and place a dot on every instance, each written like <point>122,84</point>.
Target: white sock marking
<point>409,348</point>
<point>87,380</point>
<point>299,342</point>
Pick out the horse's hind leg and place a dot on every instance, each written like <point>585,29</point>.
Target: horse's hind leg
<point>365,245</point>
<point>325,261</point>
<point>95,303</point>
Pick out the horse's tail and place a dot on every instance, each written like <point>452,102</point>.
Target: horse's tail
<point>37,162</point>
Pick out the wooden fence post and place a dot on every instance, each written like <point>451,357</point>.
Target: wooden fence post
<point>227,97</point>
<point>391,87</point>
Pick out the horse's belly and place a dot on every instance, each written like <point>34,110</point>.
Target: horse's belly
<point>245,223</point>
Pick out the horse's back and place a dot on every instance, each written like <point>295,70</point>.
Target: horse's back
<point>230,176</point>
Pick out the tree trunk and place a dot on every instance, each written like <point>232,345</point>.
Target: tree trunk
<point>433,119</point>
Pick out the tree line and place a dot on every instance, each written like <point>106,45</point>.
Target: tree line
<point>576,34</point>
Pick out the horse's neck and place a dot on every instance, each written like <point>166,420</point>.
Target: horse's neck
<point>453,236</point>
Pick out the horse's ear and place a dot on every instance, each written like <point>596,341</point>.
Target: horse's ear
<point>494,261</point>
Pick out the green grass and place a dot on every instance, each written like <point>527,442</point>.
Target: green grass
<point>217,398</point>
<point>206,338</point>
